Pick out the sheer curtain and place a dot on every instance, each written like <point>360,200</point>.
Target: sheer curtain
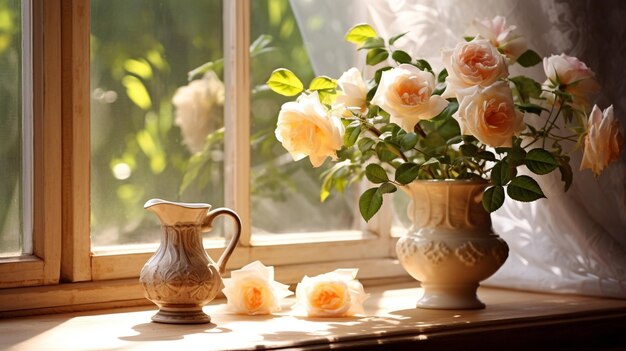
<point>572,242</point>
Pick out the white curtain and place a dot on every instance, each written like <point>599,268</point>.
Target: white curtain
<point>572,242</point>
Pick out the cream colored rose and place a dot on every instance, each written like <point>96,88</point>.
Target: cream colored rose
<point>572,76</point>
<point>352,92</point>
<point>603,142</point>
<point>472,63</point>
<point>334,294</point>
<point>503,37</point>
<point>406,93</point>
<point>489,114</point>
<point>199,109</point>
<point>306,128</point>
<point>252,290</point>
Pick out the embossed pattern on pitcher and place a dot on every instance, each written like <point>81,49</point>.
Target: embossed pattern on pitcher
<point>181,272</point>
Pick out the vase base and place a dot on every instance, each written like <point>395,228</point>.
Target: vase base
<point>450,297</point>
<point>181,317</point>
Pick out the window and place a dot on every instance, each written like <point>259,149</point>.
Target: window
<point>30,220</point>
<point>127,66</point>
<point>12,140</point>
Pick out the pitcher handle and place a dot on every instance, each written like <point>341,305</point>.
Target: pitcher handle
<point>208,221</point>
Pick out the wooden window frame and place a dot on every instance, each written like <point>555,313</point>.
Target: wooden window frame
<point>42,267</point>
<point>62,185</point>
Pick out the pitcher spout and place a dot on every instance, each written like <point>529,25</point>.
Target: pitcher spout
<point>171,213</point>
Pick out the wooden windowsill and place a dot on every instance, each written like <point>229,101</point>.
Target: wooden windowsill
<point>512,319</point>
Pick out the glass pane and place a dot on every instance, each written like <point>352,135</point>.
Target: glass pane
<point>286,194</point>
<point>154,134</point>
<point>10,128</point>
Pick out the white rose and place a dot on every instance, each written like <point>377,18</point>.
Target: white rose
<point>252,290</point>
<point>603,142</point>
<point>504,38</point>
<point>352,91</point>
<point>472,63</point>
<point>306,128</point>
<point>334,294</point>
<point>406,93</point>
<point>199,109</point>
<point>489,114</point>
<point>572,76</point>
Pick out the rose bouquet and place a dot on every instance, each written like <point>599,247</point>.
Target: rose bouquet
<point>471,120</point>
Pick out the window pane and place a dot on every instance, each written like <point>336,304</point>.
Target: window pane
<point>154,134</point>
<point>286,194</point>
<point>10,128</point>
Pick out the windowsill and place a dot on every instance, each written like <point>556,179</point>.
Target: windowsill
<point>512,318</point>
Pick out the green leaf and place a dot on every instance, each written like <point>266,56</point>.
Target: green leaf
<point>468,38</point>
<point>540,161</point>
<point>376,174</point>
<point>369,203</point>
<point>365,144</point>
<point>387,188</point>
<point>371,93</point>
<point>284,82</point>
<point>393,39</point>
<point>515,155</point>
<point>423,65</point>
<point>327,96</point>
<point>442,76</point>
<point>401,56</point>
<point>383,152</point>
<point>372,43</point>
<point>502,173</point>
<point>524,188</point>
<point>566,173</point>
<point>376,56</point>
<point>407,172</point>
<point>530,108</point>
<point>447,112</point>
<point>529,58</point>
<point>486,155</point>
<point>323,83</point>
<point>137,92</point>
<point>454,140</point>
<point>351,135</point>
<point>408,141</point>
<point>468,150</point>
<point>526,87</point>
<point>360,33</point>
<point>493,198</point>
<point>260,44</point>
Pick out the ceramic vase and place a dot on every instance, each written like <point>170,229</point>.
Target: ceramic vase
<point>450,246</point>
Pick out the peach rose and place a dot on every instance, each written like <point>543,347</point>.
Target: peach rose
<point>252,290</point>
<point>306,128</point>
<point>489,114</point>
<point>571,75</point>
<point>406,93</point>
<point>603,142</point>
<point>334,294</point>
<point>353,91</point>
<point>199,109</point>
<point>472,63</point>
<point>509,43</point>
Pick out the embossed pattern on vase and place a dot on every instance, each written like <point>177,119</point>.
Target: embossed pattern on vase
<point>179,272</point>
